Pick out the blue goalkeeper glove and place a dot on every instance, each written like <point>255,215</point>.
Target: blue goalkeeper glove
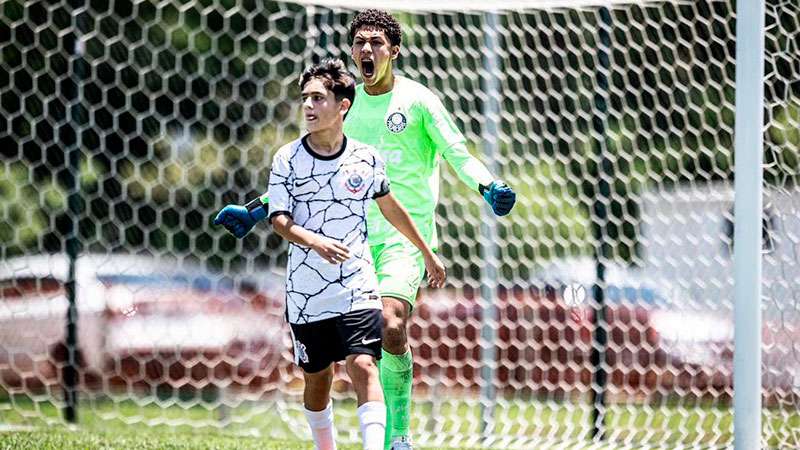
<point>500,197</point>
<point>239,220</point>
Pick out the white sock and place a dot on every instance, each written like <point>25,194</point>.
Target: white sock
<point>321,423</point>
<point>372,418</point>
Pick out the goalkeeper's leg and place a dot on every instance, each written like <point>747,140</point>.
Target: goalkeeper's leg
<point>400,268</point>
<point>396,370</point>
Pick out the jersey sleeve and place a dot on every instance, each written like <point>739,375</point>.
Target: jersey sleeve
<point>380,182</point>
<point>279,190</point>
<point>449,142</point>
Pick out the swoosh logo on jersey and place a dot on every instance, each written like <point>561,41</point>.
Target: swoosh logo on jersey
<point>305,187</point>
<point>366,341</point>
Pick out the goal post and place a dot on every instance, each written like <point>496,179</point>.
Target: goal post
<point>748,215</point>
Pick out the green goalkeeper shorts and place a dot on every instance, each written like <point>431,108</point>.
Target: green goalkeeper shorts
<point>400,268</point>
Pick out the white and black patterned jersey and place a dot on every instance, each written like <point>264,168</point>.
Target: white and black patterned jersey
<point>328,195</point>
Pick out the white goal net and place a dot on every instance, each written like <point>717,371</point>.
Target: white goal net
<point>127,125</point>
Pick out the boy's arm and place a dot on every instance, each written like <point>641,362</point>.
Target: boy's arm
<point>330,250</point>
<point>451,144</point>
<point>395,214</point>
<point>281,205</point>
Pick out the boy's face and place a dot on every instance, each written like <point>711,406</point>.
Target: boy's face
<point>373,54</point>
<point>321,110</point>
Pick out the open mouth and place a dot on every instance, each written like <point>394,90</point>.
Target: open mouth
<point>368,68</point>
<point>310,117</point>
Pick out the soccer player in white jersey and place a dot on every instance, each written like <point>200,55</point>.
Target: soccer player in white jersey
<point>319,188</point>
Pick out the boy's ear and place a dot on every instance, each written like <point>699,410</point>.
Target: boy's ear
<point>345,105</point>
<point>395,51</point>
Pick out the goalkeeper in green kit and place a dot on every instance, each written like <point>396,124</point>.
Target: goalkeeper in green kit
<point>411,129</point>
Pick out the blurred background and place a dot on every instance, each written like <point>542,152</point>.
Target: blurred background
<point>128,124</point>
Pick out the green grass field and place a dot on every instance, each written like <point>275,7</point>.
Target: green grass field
<point>126,425</point>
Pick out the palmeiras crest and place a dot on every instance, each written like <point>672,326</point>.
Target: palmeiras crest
<point>396,122</point>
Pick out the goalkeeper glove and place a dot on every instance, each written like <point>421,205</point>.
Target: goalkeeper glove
<point>499,196</point>
<point>239,220</point>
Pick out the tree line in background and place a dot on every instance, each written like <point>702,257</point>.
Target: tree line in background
<point>179,107</point>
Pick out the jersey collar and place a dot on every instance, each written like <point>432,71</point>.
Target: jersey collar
<point>316,155</point>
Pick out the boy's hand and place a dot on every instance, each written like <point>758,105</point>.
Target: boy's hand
<point>500,196</point>
<point>236,219</point>
<point>330,250</point>
<point>435,270</point>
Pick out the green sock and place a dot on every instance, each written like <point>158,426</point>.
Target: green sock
<point>387,437</point>
<point>397,375</point>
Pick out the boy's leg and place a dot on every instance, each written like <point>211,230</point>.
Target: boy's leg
<point>371,410</point>
<point>400,268</point>
<point>362,332</point>
<point>319,409</point>
<point>316,347</point>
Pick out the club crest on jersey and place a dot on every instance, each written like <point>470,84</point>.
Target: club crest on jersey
<point>396,122</point>
<point>354,182</point>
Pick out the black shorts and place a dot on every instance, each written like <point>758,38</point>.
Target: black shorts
<point>318,344</point>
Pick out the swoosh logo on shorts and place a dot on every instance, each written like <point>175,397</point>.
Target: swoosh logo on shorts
<point>366,341</point>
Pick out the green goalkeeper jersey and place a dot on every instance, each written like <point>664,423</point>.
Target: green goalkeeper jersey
<point>412,130</point>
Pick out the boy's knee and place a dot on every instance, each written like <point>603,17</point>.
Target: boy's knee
<point>361,366</point>
<point>321,378</point>
<point>395,317</point>
<point>394,336</point>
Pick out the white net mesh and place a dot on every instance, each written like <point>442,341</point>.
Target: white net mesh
<point>615,127</point>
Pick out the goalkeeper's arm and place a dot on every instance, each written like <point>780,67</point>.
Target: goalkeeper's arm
<point>239,220</point>
<point>451,144</point>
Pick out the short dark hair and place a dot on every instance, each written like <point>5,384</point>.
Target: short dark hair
<point>335,77</point>
<point>379,20</point>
